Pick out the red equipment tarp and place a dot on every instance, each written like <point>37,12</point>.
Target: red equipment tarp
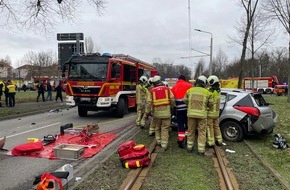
<point>94,144</point>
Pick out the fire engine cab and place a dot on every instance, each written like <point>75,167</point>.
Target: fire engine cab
<point>104,82</point>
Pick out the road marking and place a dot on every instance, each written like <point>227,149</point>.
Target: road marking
<point>33,130</point>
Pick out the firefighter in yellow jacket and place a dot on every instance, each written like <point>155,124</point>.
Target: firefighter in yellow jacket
<point>161,100</point>
<point>11,93</point>
<point>198,100</point>
<point>153,121</point>
<point>141,94</point>
<point>213,130</point>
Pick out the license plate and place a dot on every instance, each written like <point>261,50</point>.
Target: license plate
<point>85,99</point>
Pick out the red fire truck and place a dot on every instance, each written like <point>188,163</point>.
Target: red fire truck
<point>261,84</point>
<point>104,82</point>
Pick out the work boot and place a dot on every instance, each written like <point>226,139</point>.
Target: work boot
<point>181,144</point>
<point>200,154</point>
<point>190,150</point>
<point>219,143</point>
<point>152,134</point>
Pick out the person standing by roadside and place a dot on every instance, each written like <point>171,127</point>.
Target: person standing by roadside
<point>2,89</point>
<point>141,92</point>
<point>11,93</point>
<point>59,91</point>
<point>179,90</point>
<point>160,99</point>
<point>6,94</point>
<point>214,135</point>
<point>49,92</point>
<point>198,100</point>
<point>40,91</point>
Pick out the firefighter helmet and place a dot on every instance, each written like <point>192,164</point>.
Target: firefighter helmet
<point>212,80</point>
<point>143,79</point>
<point>202,80</point>
<point>165,83</point>
<point>150,81</point>
<point>156,79</point>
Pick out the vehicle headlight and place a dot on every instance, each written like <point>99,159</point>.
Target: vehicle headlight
<point>104,99</point>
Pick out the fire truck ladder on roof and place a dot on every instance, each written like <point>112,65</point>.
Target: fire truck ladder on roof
<point>130,58</point>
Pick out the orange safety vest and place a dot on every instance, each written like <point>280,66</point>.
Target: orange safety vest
<point>160,96</point>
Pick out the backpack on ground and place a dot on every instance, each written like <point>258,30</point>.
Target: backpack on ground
<point>133,155</point>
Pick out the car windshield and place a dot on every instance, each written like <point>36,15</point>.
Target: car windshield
<point>88,71</point>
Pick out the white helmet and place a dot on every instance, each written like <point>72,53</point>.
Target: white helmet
<point>212,80</point>
<point>156,79</point>
<point>143,79</point>
<point>202,80</point>
<point>165,83</point>
<point>150,80</point>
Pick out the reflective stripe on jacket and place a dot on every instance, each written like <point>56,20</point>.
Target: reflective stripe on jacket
<point>11,88</point>
<point>198,100</point>
<point>213,113</point>
<point>179,90</point>
<point>160,96</point>
<point>161,99</point>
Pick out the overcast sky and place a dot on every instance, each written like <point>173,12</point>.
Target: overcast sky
<point>143,29</point>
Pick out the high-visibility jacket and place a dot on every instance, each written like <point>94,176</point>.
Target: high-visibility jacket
<point>213,112</point>
<point>11,88</point>
<point>2,85</point>
<point>141,94</point>
<point>198,100</point>
<point>179,90</point>
<point>161,99</point>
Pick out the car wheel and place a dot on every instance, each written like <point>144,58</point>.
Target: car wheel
<point>232,131</point>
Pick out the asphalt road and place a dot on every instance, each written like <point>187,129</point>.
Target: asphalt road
<point>19,172</point>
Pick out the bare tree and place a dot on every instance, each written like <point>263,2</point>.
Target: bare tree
<point>199,69</point>
<point>250,7</point>
<point>89,45</point>
<point>39,60</point>
<point>280,10</point>
<point>41,15</point>
<point>219,63</point>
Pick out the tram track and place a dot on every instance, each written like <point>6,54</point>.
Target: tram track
<point>276,174</point>
<point>227,179</point>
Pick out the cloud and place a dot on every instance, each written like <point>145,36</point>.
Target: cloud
<point>143,29</point>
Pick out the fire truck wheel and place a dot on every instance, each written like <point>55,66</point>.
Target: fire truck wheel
<point>82,111</point>
<point>121,108</point>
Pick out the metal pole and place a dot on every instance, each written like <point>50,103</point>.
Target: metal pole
<point>211,47</point>
<point>189,32</point>
<point>210,62</point>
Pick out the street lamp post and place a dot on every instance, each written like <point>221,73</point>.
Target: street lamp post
<point>211,45</point>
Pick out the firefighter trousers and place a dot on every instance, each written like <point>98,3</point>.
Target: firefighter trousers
<point>213,132</point>
<point>200,125</point>
<point>162,131</point>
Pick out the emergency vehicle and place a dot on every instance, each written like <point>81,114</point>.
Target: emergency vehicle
<point>263,85</point>
<point>170,81</point>
<point>104,82</point>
